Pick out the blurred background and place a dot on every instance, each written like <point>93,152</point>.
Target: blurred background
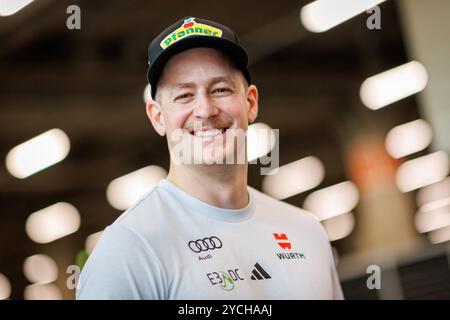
<point>359,90</point>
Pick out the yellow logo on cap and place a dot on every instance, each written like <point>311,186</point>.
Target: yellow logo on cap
<point>189,28</point>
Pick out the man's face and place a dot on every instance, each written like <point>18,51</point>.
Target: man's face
<point>201,96</point>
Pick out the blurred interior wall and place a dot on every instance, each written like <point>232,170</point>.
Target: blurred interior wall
<point>426,28</point>
<point>385,215</point>
<point>385,226</point>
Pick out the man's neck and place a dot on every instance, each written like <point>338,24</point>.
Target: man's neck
<point>223,186</point>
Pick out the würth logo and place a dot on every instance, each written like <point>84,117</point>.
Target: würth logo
<point>282,241</point>
<point>259,273</point>
<point>291,255</point>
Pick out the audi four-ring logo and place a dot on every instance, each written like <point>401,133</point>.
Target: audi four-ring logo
<point>205,244</point>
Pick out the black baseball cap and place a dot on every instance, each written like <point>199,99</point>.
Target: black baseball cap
<point>189,33</point>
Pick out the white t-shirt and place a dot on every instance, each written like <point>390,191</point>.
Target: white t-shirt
<point>171,245</point>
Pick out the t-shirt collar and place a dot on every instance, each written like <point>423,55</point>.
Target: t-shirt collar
<point>200,207</point>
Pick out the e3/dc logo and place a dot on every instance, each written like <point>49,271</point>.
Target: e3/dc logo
<point>226,280</point>
<point>205,244</point>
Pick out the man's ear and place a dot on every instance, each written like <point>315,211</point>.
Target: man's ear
<point>154,113</point>
<point>252,102</point>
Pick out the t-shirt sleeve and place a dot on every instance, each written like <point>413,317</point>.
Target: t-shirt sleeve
<point>337,289</point>
<point>122,266</point>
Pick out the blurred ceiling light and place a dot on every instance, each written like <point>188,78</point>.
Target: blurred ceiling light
<point>434,192</point>
<point>436,205</point>
<point>91,241</point>
<point>9,7</point>
<point>408,138</point>
<point>40,269</point>
<point>147,96</point>
<point>440,235</point>
<point>124,191</point>
<point>393,85</point>
<point>332,201</point>
<point>295,177</point>
<point>5,287</point>
<point>423,171</point>
<point>260,140</point>
<point>322,15</point>
<point>339,227</point>
<point>38,153</point>
<point>42,292</point>
<point>427,221</point>
<point>54,222</point>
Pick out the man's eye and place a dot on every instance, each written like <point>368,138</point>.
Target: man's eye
<point>183,96</point>
<point>221,90</point>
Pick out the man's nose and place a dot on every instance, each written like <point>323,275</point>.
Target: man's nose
<point>205,107</point>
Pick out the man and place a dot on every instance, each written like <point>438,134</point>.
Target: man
<point>202,233</point>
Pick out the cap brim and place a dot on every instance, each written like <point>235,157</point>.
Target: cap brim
<point>233,50</point>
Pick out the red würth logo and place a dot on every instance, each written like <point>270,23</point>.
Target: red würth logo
<point>282,240</point>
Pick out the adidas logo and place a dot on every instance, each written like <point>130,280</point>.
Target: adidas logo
<point>259,273</point>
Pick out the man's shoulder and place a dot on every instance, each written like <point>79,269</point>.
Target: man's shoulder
<point>135,226</point>
<point>279,207</point>
<point>145,214</point>
<point>279,212</point>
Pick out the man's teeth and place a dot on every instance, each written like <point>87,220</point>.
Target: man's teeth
<point>208,133</point>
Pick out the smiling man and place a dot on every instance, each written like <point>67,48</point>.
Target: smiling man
<point>203,233</point>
